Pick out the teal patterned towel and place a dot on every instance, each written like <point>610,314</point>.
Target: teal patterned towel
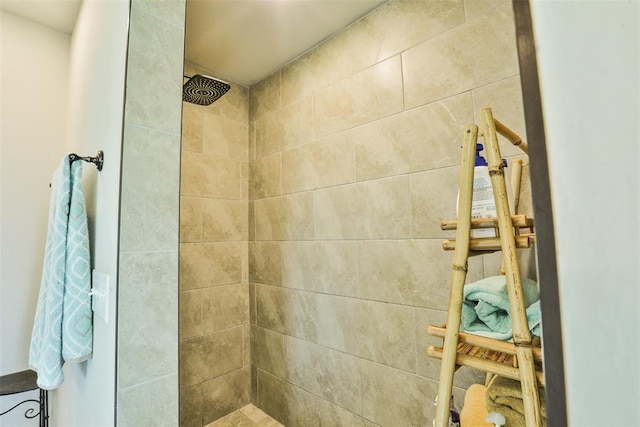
<point>63,329</point>
<point>486,310</point>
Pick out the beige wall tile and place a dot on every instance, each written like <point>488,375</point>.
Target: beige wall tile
<point>327,266</point>
<point>288,127</point>
<point>285,218</point>
<point>396,398</point>
<point>290,405</point>
<point>421,139</point>
<point>191,406</point>
<point>225,394</point>
<point>474,54</point>
<point>198,271</point>
<point>190,219</point>
<point>265,177</point>
<point>287,311</point>
<point>369,329</point>
<point>329,161</point>
<point>252,303</point>
<point>327,373</point>
<point>369,95</point>
<point>151,403</point>
<point>411,272</point>
<point>172,11</point>
<point>505,100</point>
<point>335,416</point>
<point>526,263</point>
<point>252,221</point>
<point>399,25</point>
<point>264,96</point>
<point>246,344</point>
<point>267,351</point>
<point>209,177</point>
<point>210,356</point>
<point>244,181</point>
<point>190,314</point>
<point>224,307</point>
<point>370,210</point>
<point>433,199</point>
<point>191,127</point>
<point>265,263</point>
<point>479,8</point>
<point>225,138</point>
<point>324,65</point>
<point>234,105</point>
<point>224,220</point>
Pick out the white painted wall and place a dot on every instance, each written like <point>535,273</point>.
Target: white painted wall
<point>588,59</point>
<point>96,102</point>
<point>34,85</point>
<point>60,94</point>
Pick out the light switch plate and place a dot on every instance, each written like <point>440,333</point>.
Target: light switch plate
<point>100,294</point>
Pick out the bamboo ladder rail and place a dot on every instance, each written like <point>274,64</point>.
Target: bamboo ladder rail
<point>521,350</point>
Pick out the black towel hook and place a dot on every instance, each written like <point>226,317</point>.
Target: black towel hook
<point>98,160</point>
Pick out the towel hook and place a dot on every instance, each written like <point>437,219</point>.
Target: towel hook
<point>98,160</point>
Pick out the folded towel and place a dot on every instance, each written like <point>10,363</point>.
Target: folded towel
<point>486,309</point>
<point>505,396</point>
<point>474,411</point>
<point>62,329</point>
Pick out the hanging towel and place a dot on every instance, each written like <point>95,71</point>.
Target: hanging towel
<point>486,310</point>
<point>62,329</point>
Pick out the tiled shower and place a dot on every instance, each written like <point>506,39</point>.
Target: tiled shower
<point>310,204</point>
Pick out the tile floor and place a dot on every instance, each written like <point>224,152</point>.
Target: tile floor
<point>247,416</point>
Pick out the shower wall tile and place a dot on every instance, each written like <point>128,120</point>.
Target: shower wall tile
<point>433,199</point>
<point>285,128</point>
<point>268,351</point>
<point>147,344</point>
<point>490,38</point>
<point>197,270</point>
<point>264,96</point>
<point>526,263</point>
<point>224,307</point>
<point>369,95</point>
<point>395,397</point>
<point>505,100</point>
<point>224,220</point>
<point>421,139</point>
<point>429,367</point>
<point>336,416</point>
<point>372,330</point>
<point>206,176</point>
<point>327,267</point>
<point>192,127</point>
<point>225,138</point>
<point>370,210</point>
<point>325,64</point>
<point>246,344</point>
<point>190,219</point>
<point>151,403</point>
<point>149,199</point>
<point>327,373</point>
<point>172,11</point>
<point>265,263</point>
<point>210,356</point>
<point>477,9</point>
<point>155,49</point>
<point>290,405</point>
<point>244,181</point>
<point>191,406</point>
<point>265,177</point>
<point>399,25</point>
<point>252,303</point>
<point>288,311</point>
<point>395,271</point>
<point>252,221</point>
<point>327,162</point>
<point>234,105</point>
<point>225,394</point>
<point>285,218</point>
<point>190,309</point>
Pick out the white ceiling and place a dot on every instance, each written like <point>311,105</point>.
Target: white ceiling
<point>245,41</point>
<point>241,41</point>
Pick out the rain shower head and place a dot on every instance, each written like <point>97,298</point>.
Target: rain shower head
<point>203,90</point>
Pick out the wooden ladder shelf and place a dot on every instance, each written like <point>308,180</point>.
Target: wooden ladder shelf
<point>521,359</point>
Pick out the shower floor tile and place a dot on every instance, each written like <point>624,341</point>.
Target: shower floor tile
<point>247,416</point>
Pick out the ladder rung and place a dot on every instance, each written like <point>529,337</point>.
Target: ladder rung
<point>520,221</point>
<point>491,243</point>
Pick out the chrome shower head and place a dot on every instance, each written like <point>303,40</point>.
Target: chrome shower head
<point>203,90</point>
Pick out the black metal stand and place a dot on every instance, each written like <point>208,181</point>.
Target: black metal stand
<point>21,382</point>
